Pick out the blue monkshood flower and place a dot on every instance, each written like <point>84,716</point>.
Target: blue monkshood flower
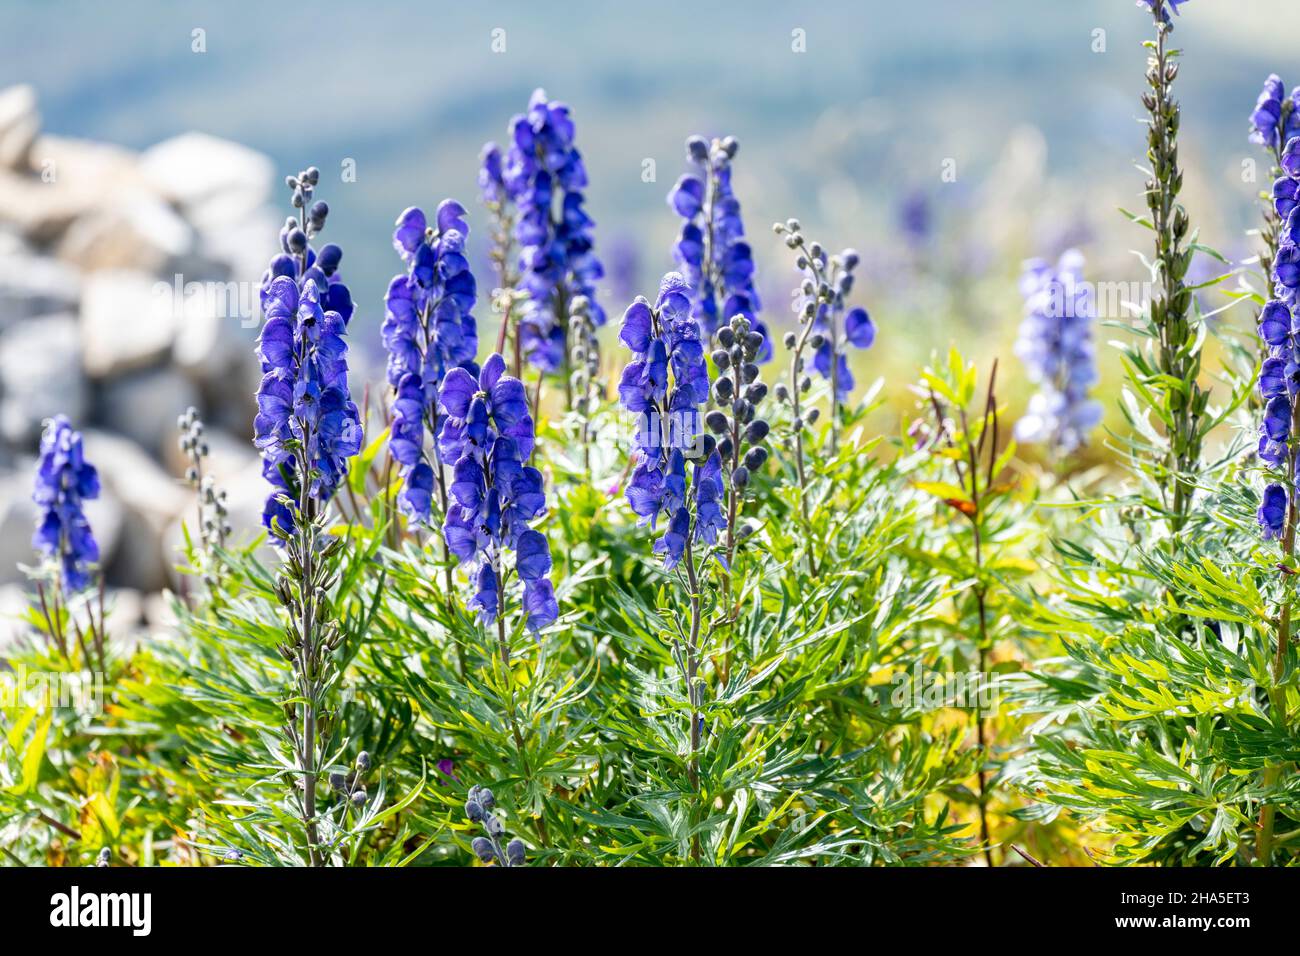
<point>1159,7</point>
<point>1279,381</point>
<point>1286,195</point>
<point>487,435</point>
<point>1267,116</point>
<point>666,385</point>
<point>1277,419</point>
<point>299,261</point>
<point>711,249</point>
<point>491,176</point>
<point>915,218</point>
<point>1290,160</point>
<point>64,482</point>
<point>1273,377</point>
<point>428,329</point>
<point>543,175</point>
<point>1056,346</point>
<point>304,409</point>
<point>834,323</point>
<point>1272,511</point>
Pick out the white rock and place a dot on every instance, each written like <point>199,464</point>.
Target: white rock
<point>194,167</point>
<point>40,376</point>
<point>17,522</point>
<point>150,499</point>
<point>228,455</point>
<point>140,232</point>
<point>216,333</point>
<point>128,321</point>
<point>69,179</point>
<point>143,406</point>
<point>32,285</point>
<point>20,121</point>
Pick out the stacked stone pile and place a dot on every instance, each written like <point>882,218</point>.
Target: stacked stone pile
<point>128,292</point>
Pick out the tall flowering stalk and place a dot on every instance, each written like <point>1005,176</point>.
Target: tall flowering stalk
<point>830,327</point>
<point>307,427</point>
<point>711,249</point>
<point>63,538</point>
<point>487,432</point>
<point>542,175</point>
<point>507,297</point>
<point>827,327</point>
<point>665,386</point>
<point>1273,124</point>
<point>1177,352</point>
<point>1279,382</point>
<point>428,329</point>
<point>741,432</point>
<point>1055,344</point>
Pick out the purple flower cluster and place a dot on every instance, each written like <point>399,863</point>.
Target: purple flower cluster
<point>711,249</point>
<point>307,425</point>
<point>428,329</point>
<point>665,385</point>
<point>306,418</point>
<point>834,324</point>
<point>1276,119</point>
<point>1158,7</point>
<point>543,175</point>
<point>299,260</point>
<point>64,481</point>
<point>487,435</point>
<point>1056,346</point>
<point>1279,381</point>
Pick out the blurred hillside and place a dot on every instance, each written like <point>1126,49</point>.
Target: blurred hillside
<point>839,134</point>
<point>170,126</point>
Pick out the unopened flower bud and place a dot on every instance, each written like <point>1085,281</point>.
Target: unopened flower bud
<point>756,431</point>
<point>740,476</point>
<point>515,852</point>
<point>483,849</point>
<point>789,340</point>
<point>755,458</point>
<point>716,422</point>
